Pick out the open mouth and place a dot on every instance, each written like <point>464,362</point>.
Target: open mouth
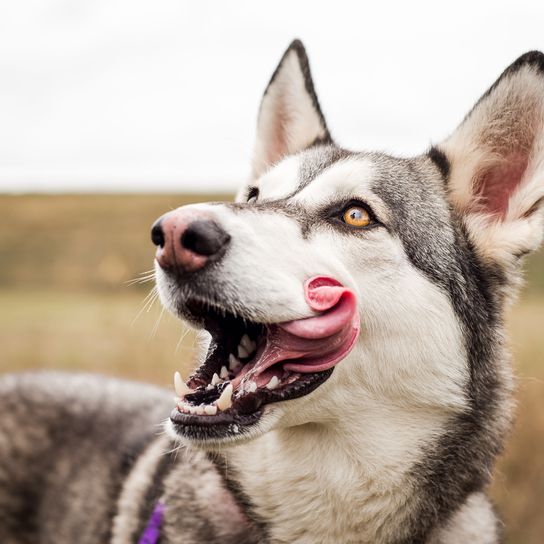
<point>250,365</point>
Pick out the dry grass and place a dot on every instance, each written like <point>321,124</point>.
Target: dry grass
<point>98,332</point>
<point>519,482</point>
<point>64,304</point>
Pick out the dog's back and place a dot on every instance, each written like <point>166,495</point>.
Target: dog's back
<point>84,459</point>
<point>66,445</point>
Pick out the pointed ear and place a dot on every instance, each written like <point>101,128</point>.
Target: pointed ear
<point>290,118</point>
<point>496,163</point>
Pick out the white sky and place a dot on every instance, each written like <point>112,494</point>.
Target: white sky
<point>162,95</point>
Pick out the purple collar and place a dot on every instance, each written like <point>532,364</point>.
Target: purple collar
<point>152,532</point>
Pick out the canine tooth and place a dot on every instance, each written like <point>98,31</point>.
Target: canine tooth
<point>180,386</point>
<point>210,409</point>
<point>215,379</point>
<point>273,383</point>
<point>251,387</point>
<point>234,363</point>
<point>224,372</point>
<point>225,400</point>
<point>209,387</point>
<point>242,352</point>
<point>248,343</point>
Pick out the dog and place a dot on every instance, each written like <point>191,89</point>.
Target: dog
<point>355,385</point>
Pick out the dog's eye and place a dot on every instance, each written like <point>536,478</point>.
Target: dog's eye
<point>252,194</point>
<point>356,216</point>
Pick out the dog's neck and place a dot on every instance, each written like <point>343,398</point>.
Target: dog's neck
<point>326,483</point>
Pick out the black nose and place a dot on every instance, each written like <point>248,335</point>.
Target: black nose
<point>204,237</point>
<point>157,234</point>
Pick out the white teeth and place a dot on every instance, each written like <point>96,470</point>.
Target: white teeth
<point>183,407</point>
<point>224,372</point>
<point>273,383</point>
<point>225,400</point>
<point>234,363</point>
<point>210,410</point>
<point>215,379</point>
<point>248,344</point>
<point>180,386</point>
<point>209,387</point>
<point>251,387</point>
<point>203,409</point>
<point>242,352</point>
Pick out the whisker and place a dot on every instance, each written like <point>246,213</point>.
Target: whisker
<point>157,323</point>
<point>143,277</point>
<point>185,331</point>
<point>147,303</point>
<point>139,280</point>
<point>152,301</point>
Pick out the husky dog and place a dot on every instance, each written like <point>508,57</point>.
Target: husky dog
<point>356,385</point>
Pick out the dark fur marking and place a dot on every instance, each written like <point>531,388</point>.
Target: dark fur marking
<point>229,477</point>
<point>441,161</point>
<point>132,453</point>
<point>154,491</point>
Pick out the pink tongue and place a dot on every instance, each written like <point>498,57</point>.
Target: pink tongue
<point>316,343</point>
<point>324,294</point>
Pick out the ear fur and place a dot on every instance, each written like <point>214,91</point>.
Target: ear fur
<point>496,159</point>
<point>290,118</point>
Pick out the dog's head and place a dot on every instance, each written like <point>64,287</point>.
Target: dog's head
<point>338,277</point>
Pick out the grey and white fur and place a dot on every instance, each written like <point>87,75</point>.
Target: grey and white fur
<point>398,445</point>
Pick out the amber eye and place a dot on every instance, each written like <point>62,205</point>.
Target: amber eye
<point>356,216</point>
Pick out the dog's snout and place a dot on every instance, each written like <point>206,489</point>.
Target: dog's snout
<point>187,239</point>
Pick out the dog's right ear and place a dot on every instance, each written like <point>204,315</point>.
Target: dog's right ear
<point>290,118</point>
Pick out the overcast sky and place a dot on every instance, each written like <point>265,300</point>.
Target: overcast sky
<point>163,95</point>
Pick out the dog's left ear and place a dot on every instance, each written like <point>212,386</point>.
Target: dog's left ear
<point>495,164</point>
<point>290,118</point>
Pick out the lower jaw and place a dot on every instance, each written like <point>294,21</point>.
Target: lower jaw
<point>196,428</point>
<point>233,424</point>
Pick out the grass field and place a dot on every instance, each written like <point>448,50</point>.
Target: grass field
<point>65,303</point>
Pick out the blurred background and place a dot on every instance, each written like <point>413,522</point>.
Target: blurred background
<point>115,111</point>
